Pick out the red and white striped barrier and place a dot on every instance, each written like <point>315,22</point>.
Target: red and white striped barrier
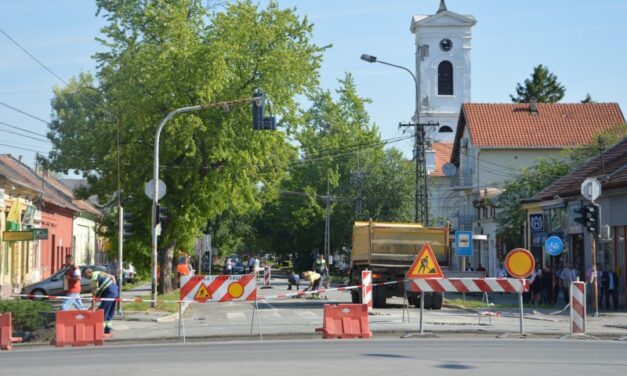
<point>509,285</point>
<point>220,288</point>
<point>267,275</point>
<point>578,308</point>
<point>366,291</point>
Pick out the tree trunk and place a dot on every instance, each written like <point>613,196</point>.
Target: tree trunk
<point>165,277</point>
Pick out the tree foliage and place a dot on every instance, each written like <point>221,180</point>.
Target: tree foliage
<point>542,85</point>
<point>161,55</point>
<point>337,143</point>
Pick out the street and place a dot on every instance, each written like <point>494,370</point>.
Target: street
<point>483,357</point>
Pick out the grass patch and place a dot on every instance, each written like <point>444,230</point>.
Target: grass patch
<point>129,286</point>
<point>161,305</point>
<point>478,304</point>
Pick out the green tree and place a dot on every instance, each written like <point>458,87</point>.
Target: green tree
<point>338,143</point>
<point>543,85</point>
<point>587,99</point>
<point>165,54</point>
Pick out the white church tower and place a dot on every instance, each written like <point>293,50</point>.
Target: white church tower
<point>443,44</point>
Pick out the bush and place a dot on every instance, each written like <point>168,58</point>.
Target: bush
<point>26,314</point>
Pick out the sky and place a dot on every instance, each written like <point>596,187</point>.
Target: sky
<point>582,42</point>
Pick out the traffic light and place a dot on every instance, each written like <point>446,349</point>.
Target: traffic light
<point>589,217</point>
<point>128,226</point>
<point>258,104</point>
<point>162,216</point>
<point>260,122</point>
<point>592,218</point>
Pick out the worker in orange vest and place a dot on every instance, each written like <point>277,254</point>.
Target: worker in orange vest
<point>72,285</point>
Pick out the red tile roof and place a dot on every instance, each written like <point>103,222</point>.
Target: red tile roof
<point>553,126</point>
<point>613,165</point>
<point>442,156</point>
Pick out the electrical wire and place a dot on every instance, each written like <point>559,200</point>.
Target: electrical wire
<point>32,56</point>
<point>22,148</point>
<point>23,135</point>
<point>25,113</point>
<point>22,129</point>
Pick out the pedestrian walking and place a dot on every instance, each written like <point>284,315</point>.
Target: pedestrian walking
<point>72,285</point>
<point>103,287</point>
<point>568,275</point>
<point>609,286</point>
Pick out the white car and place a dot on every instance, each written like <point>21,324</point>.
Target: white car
<point>129,273</point>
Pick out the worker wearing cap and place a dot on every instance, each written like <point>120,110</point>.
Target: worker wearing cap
<point>103,286</point>
<point>313,278</point>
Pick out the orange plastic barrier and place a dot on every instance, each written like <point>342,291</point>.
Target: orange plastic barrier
<point>6,332</point>
<point>79,328</point>
<point>345,321</point>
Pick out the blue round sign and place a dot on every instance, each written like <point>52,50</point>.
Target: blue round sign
<point>554,246</point>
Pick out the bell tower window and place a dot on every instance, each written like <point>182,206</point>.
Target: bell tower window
<point>445,78</point>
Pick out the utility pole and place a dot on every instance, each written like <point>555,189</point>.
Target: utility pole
<point>327,224</point>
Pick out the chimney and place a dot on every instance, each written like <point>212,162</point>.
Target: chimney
<point>533,105</point>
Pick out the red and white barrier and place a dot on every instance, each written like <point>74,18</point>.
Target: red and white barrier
<point>220,288</point>
<point>267,275</point>
<point>578,308</point>
<point>366,290</point>
<point>509,285</point>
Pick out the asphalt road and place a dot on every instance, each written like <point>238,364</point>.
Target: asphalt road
<point>485,357</point>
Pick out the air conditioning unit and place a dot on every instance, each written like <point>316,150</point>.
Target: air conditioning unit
<point>464,143</point>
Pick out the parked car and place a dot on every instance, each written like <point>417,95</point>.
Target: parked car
<point>238,268</point>
<point>53,285</point>
<point>129,273</point>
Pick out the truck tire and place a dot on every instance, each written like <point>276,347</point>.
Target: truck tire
<point>428,300</point>
<point>379,295</point>
<point>438,298</point>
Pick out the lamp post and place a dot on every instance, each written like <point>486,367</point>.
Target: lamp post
<point>421,214</point>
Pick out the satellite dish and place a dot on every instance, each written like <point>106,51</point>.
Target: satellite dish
<point>449,169</point>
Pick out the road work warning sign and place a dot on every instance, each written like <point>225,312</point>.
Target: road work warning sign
<point>425,265</point>
<point>219,288</point>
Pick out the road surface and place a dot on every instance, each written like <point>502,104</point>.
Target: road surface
<point>381,357</point>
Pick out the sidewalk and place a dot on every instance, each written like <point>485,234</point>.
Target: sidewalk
<point>300,317</point>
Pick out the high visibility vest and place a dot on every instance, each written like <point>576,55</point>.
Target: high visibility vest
<point>101,281</point>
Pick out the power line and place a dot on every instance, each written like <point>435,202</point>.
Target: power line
<point>33,57</point>
<point>22,129</point>
<point>21,148</point>
<point>25,113</point>
<point>23,135</point>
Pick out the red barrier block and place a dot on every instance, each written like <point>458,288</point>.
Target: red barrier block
<point>345,321</point>
<point>6,332</point>
<point>79,328</point>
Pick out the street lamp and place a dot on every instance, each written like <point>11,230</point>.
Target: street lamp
<point>422,194</point>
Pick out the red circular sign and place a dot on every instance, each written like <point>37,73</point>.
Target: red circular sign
<point>520,263</point>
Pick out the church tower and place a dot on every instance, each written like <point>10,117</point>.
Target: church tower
<point>443,44</point>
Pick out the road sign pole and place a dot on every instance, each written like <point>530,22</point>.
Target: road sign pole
<point>520,304</point>
<point>595,284</point>
<point>422,309</point>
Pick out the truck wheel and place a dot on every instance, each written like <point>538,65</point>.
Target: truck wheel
<point>438,298</point>
<point>379,295</point>
<point>428,300</point>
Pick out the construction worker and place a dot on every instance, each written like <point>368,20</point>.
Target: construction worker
<point>313,278</point>
<point>103,286</point>
<point>72,285</point>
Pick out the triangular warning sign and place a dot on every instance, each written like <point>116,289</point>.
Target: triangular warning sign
<point>425,265</point>
<point>202,295</point>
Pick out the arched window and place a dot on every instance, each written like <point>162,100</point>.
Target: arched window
<point>445,129</point>
<point>445,78</point>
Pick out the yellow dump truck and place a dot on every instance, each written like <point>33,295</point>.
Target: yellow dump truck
<point>388,250</point>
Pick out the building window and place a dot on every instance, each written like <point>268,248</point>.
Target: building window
<point>445,129</point>
<point>445,78</point>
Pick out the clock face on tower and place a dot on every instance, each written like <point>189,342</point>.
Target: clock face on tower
<point>446,44</point>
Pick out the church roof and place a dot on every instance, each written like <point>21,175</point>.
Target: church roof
<point>442,156</point>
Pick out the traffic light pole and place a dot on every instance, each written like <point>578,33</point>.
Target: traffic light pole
<point>155,175</point>
<point>595,282</point>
